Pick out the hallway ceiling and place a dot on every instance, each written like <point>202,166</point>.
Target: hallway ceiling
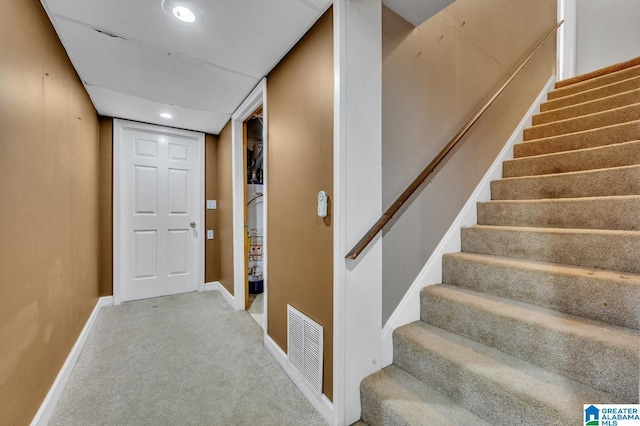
<point>136,61</point>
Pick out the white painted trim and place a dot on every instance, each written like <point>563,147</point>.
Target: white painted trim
<point>322,405</point>
<point>106,301</point>
<point>227,296</point>
<point>49,404</point>
<point>256,98</point>
<point>265,204</point>
<point>357,200</point>
<point>212,286</point>
<point>567,38</point>
<point>118,125</point>
<point>409,308</point>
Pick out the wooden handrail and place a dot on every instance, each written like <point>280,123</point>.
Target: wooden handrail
<point>395,207</point>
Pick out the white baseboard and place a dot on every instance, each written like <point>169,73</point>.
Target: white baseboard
<point>49,404</point>
<point>213,286</point>
<point>106,301</point>
<point>323,405</point>
<point>409,308</point>
<point>227,296</point>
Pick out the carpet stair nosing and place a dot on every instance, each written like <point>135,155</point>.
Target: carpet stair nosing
<point>592,94</point>
<point>592,158</point>
<point>392,396</point>
<point>595,120</point>
<point>492,380</point>
<point>623,180</point>
<point>599,355</point>
<point>602,249</point>
<point>620,212</point>
<point>597,294</point>
<point>589,107</point>
<point>601,136</point>
<point>603,80</point>
<point>597,73</point>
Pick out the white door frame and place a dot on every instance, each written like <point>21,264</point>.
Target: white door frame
<point>256,98</point>
<point>118,126</point>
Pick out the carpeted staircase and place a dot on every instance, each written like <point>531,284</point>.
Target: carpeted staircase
<point>539,314</point>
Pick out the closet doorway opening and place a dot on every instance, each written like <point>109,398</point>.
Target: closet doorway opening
<point>254,217</point>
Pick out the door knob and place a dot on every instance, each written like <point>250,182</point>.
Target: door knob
<point>192,224</point>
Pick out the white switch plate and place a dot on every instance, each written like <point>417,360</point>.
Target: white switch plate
<point>210,234</point>
<point>211,204</point>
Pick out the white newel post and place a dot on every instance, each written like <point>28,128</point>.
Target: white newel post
<point>358,199</point>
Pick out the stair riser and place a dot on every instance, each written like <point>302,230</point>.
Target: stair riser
<point>618,213</point>
<point>373,410</point>
<point>475,392</point>
<point>614,250</point>
<point>597,73</point>
<point>591,95</point>
<point>579,357</point>
<point>596,183</point>
<point>595,83</point>
<point>592,296</point>
<point>605,136</point>
<point>617,101</point>
<point>582,123</point>
<point>394,397</point>
<point>618,155</point>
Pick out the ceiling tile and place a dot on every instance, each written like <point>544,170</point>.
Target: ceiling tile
<point>114,104</point>
<point>246,36</point>
<point>138,70</point>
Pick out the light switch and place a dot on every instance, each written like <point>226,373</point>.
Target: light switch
<point>211,204</point>
<point>210,234</point>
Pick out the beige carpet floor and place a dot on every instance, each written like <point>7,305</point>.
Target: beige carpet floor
<point>179,360</point>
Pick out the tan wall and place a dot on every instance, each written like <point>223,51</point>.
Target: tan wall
<point>434,77</point>
<point>106,206</point>
<point>299,165</point>
<point>224,231</point>
<point>211,248</point>
<point>49,208</point>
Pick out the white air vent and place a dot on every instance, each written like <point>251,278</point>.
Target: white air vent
<point>305,341</point>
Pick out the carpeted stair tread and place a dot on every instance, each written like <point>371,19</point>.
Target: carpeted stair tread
<point>487,381</point>
<point>584,122</point>
<point>611,181</point>
<point>589,95</point>
<point>599,355</point>
<point>394,397</point>
<point>620,212</point>
<point>590,107</point>
<point>603,80</point>
<point>600,157</point>
<point>598,294</point>
<point>602,136</point>
<point>597,73</point>
<point>602,249</point>
<point>540,311</point>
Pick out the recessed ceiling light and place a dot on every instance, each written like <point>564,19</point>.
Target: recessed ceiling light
<point>166,115</point>
<point>184,14</point>
<point>182,10</point>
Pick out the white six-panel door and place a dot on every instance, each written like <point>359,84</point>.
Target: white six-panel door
<point>157,211</point>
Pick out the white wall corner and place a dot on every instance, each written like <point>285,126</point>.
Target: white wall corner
<point>357,200</point>
<point>47,407</point>
<point>567,39</point>
<point>408,310</point>
<point>322,405</point>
